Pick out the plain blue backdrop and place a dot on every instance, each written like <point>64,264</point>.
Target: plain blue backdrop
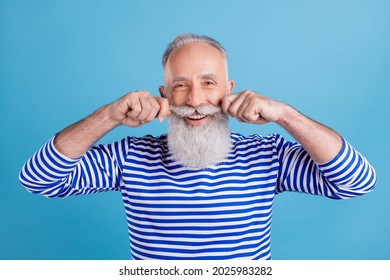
<point>61,60</point>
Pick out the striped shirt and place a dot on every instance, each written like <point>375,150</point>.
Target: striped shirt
<point>220,212</point>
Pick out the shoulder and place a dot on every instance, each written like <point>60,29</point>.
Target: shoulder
<point>255,143</point>
<point>147,141</point>
<point>239,139</point>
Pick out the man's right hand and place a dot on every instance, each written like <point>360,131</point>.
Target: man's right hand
<point>133,109</point>
<point>137,108</point>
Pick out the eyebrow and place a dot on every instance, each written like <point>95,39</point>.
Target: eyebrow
<point>179,79</point>
<point>208,76</point>
<point>202,76</point>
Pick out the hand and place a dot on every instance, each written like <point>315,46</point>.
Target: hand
<point>250,107</point>
<point>137,108</point>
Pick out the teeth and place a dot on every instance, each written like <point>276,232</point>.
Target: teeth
<point>196,117</point>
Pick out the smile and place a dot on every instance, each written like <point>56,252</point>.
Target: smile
<point>197,116</point>
<point>197,119</point>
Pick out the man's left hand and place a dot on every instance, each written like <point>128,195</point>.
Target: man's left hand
<point>250,107</point>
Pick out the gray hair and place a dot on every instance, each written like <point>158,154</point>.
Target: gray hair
<point>190,38</point>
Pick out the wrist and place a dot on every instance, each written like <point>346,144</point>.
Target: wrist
<point>103,117</point>
<point>287,115</point>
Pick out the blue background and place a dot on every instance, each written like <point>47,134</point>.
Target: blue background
<point>61,60</point>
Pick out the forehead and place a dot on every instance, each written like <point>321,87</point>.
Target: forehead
<point>195,56</point>
<point>200,49</point>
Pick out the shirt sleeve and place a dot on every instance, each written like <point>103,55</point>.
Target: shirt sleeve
<point>51,174</point>
<point>347,175</point>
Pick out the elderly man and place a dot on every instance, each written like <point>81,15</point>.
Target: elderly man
<point>200,191</point>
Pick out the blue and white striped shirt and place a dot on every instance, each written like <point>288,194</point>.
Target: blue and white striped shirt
<point>221,212</point>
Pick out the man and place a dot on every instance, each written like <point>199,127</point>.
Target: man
<point>201,191</point>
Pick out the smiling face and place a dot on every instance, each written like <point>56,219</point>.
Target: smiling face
<point>196,75</point>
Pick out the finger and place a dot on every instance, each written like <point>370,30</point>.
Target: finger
<point>164,108</point>
<point>154,109</point>
<point>138,104</point>
<point>146,108</point>
<point>251,108</point>
<point>236,104</point>
<point>227,102</point>
<point>241,114</point>
<point>131,123</point>
<point>252,112</point>
<point>244,112</point>
<point>135,108</point>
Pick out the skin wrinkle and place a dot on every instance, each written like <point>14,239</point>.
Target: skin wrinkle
<point>196,81</point>
<point>195,65</point>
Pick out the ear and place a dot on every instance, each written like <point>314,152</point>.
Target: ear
<point>230,87</point>
<point>161,89</point>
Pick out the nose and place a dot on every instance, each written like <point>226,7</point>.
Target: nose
<point>196,97</point>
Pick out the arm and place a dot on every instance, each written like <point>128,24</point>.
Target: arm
<point>321,163</point>
<point>66,165</point>
<point>321,142</point>
<point>52,174</point>
<point>133,109</point>
<point>346,175</point>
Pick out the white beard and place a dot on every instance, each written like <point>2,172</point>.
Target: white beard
<point>198,146</point>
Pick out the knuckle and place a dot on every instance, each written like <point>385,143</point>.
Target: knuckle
<point>147,107</point>
<point>247,115</point>
<point>138,93</point>
<point>144,94</point>
<point>134,94</point>
<point>156,106</point>
<point>252,96</point>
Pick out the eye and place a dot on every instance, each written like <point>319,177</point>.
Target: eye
<point>209,83</point>
<point>179,85</point>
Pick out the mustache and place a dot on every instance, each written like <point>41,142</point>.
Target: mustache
<point>186,111</point>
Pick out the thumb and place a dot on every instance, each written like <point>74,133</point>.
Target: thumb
<point>164,108</point>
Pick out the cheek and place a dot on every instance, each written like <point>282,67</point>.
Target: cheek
<point>212,96</point>
<point>216,97</point>
<point>178,99</point>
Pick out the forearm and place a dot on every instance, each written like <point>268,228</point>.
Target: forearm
<point>321,142</point>
<point>75,140</point>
